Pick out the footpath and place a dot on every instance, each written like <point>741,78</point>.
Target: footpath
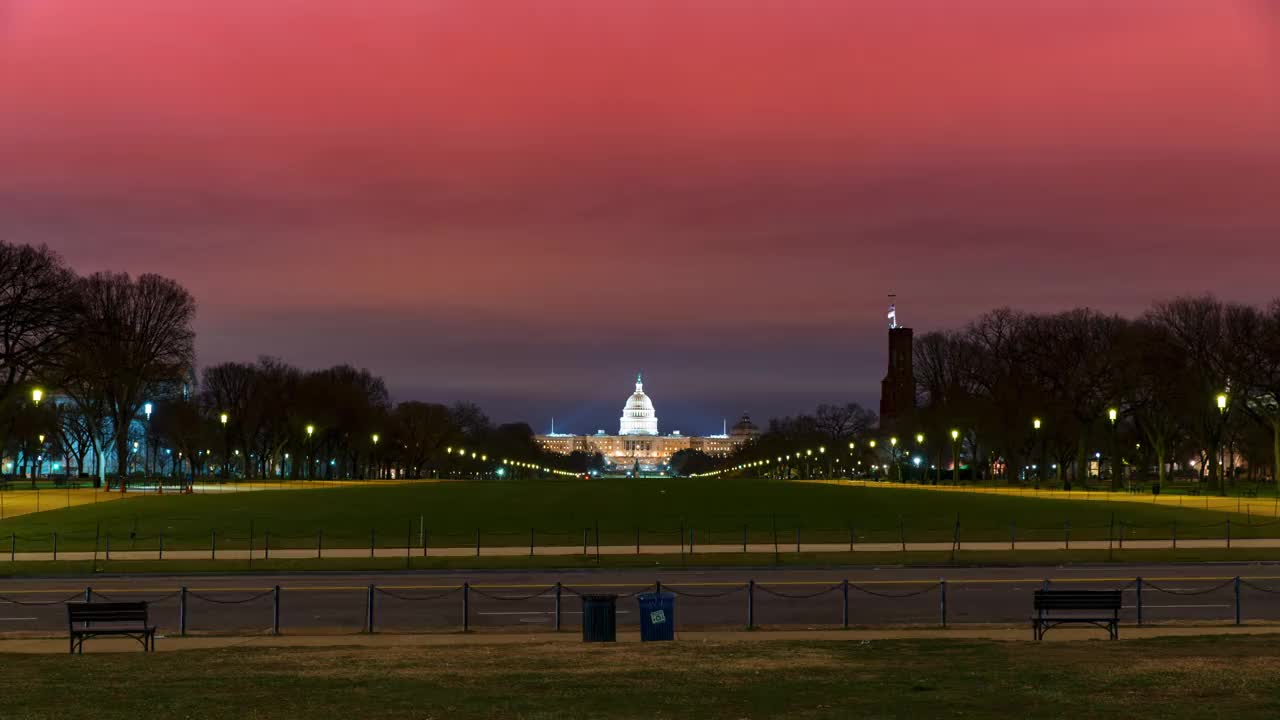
<point>569,550</point>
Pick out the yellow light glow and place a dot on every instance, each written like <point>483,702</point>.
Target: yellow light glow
<point>955,434</point>
<point>1035,423</point>
<point>37,395</point>
<point>1222,401</point>
<point>1112,414</point>
<point>223,418</point>
<point>919,438</point>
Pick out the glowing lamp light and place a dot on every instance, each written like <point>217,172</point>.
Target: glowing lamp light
<point>893,441</point>
<point>310,429</point>
<point>1112,414</point>
<point>872,443</point>
<point>375,438</point>
<point>1035,423</point>
<point>915,461</point>
<point>37,395</point>
<point>223,418</point>
<point>1222,401</point>
<point>955,434</point>
<point>146,410</point>
<point>919,438</point>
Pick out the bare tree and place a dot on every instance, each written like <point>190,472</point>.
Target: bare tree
<point>35,319</point>
<point>136,339</point>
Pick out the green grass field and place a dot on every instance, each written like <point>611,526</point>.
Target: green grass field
<point>718,511</point>
<point>1203,677</point>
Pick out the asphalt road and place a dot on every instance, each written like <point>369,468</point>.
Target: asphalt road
<point>315,603</point>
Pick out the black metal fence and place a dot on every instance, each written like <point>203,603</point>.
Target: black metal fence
<point>751,604</point>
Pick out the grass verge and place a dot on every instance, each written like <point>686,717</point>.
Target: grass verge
<point>1174,678</point>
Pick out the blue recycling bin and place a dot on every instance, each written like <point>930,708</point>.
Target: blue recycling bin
<point>657,616</point>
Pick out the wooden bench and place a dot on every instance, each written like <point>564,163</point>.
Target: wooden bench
<point>1095,604</point>
<point>128,619</point>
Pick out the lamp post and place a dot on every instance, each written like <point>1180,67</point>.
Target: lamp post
<point>311,429</point>
<point>893,456</point>
<point>1113,414</point>
<point>374,455</point>
<point>924,473</point>
<point>1039,441</point>
<point>1222,399</point>
<point>146,459</point>
<point>36,396</point>
<point>955,456</point>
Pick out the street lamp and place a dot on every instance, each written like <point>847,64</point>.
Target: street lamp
<point>1112,414</point>
<point>311,429</point>
<point>955,456</point>
<point>1222,402</point>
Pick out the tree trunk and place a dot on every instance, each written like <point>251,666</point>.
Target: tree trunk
<point>1275,448</point>
<point>122,455</point>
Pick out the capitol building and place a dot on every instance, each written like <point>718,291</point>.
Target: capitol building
<point>638,443</point>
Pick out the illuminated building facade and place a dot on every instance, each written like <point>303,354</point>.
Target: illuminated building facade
<point>638,442</point>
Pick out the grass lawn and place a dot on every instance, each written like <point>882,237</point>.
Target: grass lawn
<point>1203,677</point>
<point>717,510</point>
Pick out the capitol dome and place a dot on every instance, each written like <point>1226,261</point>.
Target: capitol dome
<point>638,415</point>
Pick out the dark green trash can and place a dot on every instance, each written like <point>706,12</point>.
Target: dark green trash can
<point>599,618</point>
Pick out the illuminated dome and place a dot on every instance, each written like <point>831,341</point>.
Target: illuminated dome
<point>638,416</point>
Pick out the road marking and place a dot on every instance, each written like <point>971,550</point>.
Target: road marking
<point>17,618</point>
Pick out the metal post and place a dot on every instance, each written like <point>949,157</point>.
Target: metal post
<point>1138,585</point>
<point>637,539</point>
<point>751,604</point>
<point>850,538</point>
<point>88,597</point>
<point>1121,539</point>
<point>266,545</point>
<point>558,587</point>
<point>478,542</point>
<point>213,544</point>
<point>275,610</point>
<point>373,538</point>
<point>844,615</point>
<point>319,544</point>
<point>1175,534</point>
<point>902,533</point>
<point>108,548</point>
<point>161,556</point>
<point>182,610</point>
<point>797,538</point>
<point>1066,534</point>
<point>530,542</point>
<point>942,588</point>
<point>13,546</point>
<point>585,536</point>
<point>368,610</point>
<point>657,586</point>
<point>426,536</point>
<point>466,607</point>
<point>1013,535</point>
<point>1228,533</point>
<point>1237,588</point>
<point>744,538</point>
<point>55,544</point>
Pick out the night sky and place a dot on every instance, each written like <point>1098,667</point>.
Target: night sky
<point>522,203</point>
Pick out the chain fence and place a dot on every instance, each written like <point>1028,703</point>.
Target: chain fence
<point>372,608</point>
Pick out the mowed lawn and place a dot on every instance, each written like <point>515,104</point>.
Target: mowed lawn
<point>1207,677</point>
<point>558,513</point>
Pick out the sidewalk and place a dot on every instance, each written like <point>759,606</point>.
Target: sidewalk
<point>570,550</point>
<point>57,645</point>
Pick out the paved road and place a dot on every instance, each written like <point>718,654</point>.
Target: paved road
<point>433,601</point>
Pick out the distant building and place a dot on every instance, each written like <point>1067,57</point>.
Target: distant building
<point>898,389</point>
<point>638,443</point>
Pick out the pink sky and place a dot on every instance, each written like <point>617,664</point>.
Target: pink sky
<point>523,202</point>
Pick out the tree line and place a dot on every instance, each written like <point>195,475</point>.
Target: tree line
<point>97,375</point>
<point>1191,386</point>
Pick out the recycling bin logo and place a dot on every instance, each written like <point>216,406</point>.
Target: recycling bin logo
<point>657,617</point>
